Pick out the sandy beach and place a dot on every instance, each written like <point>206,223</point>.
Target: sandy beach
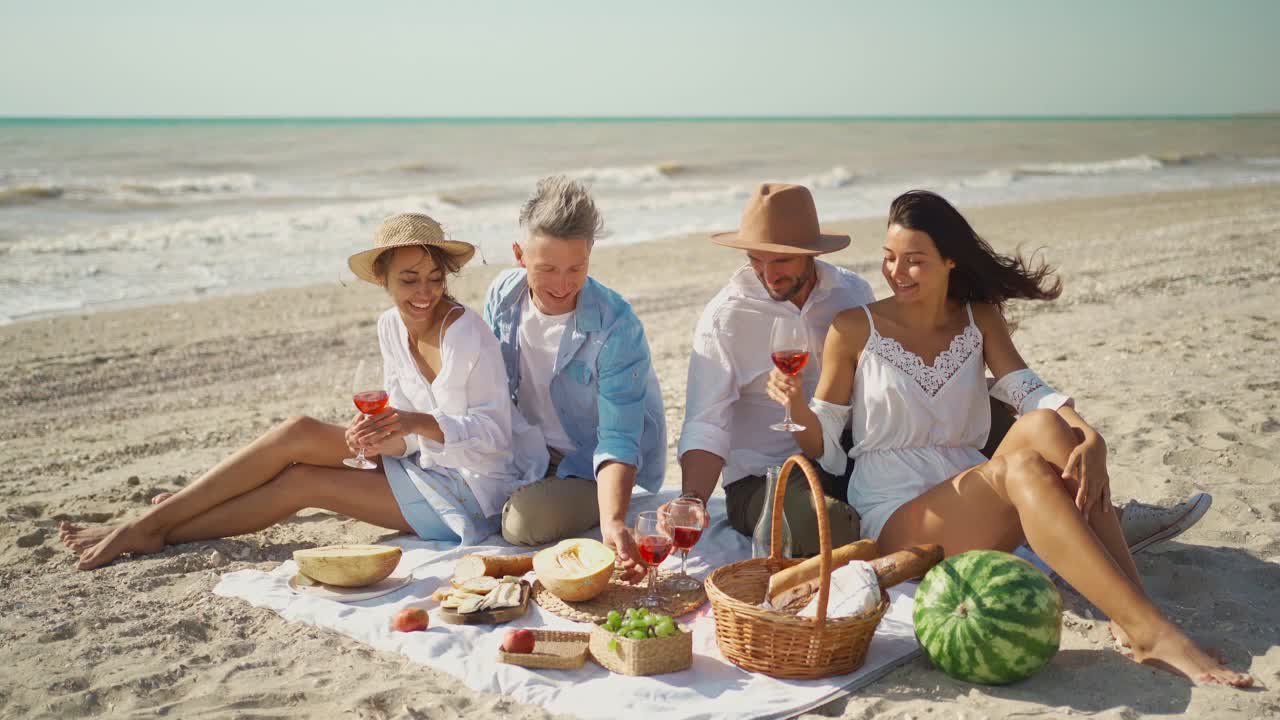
<point>1166,334</point>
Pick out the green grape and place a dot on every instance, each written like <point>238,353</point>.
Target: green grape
<point>614,617</point>
<point>613,644</point>
<point>642,612</point>
<point>665,631</point>
<point>637,635</point>
<point>665,618</point>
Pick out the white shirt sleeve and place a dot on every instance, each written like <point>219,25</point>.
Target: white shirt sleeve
<point>711,390</point>
<point>833,419</point>
<point>1024,391</point>
<point>483,427</point>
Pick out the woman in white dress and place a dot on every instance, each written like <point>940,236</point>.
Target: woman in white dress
<point>911,370</point>
<point>452,447</point>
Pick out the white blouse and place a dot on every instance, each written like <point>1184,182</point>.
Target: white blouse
<point>486,440</point>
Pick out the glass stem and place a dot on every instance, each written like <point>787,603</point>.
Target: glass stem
<point>684,558</point>
<point>653,580</point>
<point>360,449</point>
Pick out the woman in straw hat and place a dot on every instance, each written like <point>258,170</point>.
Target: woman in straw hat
<point>910,369</point>
<point>452,447</point>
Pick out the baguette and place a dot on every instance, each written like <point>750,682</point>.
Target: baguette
<point>905,564</point>
<point>800,575</point>
<point>495,566</point>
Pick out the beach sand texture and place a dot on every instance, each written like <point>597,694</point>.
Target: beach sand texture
<point>1167,335</point>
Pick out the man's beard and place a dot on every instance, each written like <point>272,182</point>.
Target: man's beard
<point>800,284</point>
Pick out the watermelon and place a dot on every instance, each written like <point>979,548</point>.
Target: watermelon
<point>987,617</point>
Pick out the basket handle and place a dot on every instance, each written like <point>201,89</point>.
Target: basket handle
<point>824,529</point>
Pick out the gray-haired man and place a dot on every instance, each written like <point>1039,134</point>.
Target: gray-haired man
<point>578,367</point>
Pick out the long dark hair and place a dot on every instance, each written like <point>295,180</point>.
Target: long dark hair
<point>981,274</point>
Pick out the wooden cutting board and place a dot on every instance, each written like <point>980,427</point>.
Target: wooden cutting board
<point>488,617</point>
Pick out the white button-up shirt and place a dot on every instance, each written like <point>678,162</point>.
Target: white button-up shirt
<point>727,409</point>
<point>486,440</point>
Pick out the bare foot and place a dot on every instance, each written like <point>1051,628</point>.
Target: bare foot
<point>161,498</point>
<point>1174,652</point>
<point>123,539</point>
<point>82,538</point>
<point>1121,637</point>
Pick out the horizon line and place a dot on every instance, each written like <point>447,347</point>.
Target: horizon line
<point>622,118</point>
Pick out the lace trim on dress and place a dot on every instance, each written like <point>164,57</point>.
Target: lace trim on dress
<point>931,378</point>
<point>1022,389</point>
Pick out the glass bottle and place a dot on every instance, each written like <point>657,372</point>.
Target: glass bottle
<point>764,524</point>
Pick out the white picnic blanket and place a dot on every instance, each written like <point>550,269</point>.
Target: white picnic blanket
<point>712,688</point>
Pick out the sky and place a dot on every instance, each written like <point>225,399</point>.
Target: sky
<point>576,58</point>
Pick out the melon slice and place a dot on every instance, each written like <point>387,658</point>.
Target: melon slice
<point>574,570</point>
<point>348,565</point>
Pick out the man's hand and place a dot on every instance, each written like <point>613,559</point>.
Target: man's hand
<point>618,538</point>
<point>786,390</point>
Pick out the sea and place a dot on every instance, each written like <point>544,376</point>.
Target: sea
<point>105,213</point>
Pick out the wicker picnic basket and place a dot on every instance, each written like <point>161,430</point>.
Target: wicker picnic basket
<point>778,642</point>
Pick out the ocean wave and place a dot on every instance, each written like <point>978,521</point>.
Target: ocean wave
<point>836,177</point>
<point>634,176</point>
<point>406,168</point>
<point>1136,163</point>
<point>41,189</point>
<point>29,194</point>
<point>234,183</point>
<point>345,220</point>
<point>1264,161</point>
<point>468,196</point>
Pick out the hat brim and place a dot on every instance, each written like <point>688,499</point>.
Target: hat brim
<point>362,263</point>
<point>823,244</point>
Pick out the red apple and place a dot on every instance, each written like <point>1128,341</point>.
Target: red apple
<point>410,619</point>
<point>518,641</point>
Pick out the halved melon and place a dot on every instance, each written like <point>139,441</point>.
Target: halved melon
<point>574,570</point>
<point>348,565</point>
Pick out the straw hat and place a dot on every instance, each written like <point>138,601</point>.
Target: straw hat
<point>406,230</point>
<point>781,218</point>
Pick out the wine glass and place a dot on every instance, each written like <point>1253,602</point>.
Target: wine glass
<point>653,541</point>
<point>683,518</point>
<point>789,348</point>
<point>370,399</point>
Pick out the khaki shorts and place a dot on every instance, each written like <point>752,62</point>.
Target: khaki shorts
<point>550,509</point>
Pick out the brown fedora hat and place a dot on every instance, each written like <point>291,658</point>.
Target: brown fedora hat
<point>781,218</point>
<point>406,230</point>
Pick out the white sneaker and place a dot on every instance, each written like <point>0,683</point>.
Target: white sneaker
<point>1145,525</point>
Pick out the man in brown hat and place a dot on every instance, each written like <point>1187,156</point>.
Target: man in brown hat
<point>728,410</point>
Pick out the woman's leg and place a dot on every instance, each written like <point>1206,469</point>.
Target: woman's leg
<point>362,494</point>
<point>297,440</point>
<point>1045,432</point>
<point>1021,495</point>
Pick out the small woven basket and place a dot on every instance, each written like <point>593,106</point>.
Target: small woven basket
<point>778,642</point>
<point>552,649</point>
<point>651,656</point>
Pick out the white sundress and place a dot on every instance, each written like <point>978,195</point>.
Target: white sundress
<point>914,425</point>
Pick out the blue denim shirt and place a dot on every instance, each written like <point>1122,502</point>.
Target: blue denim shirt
<point>603,387</point>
